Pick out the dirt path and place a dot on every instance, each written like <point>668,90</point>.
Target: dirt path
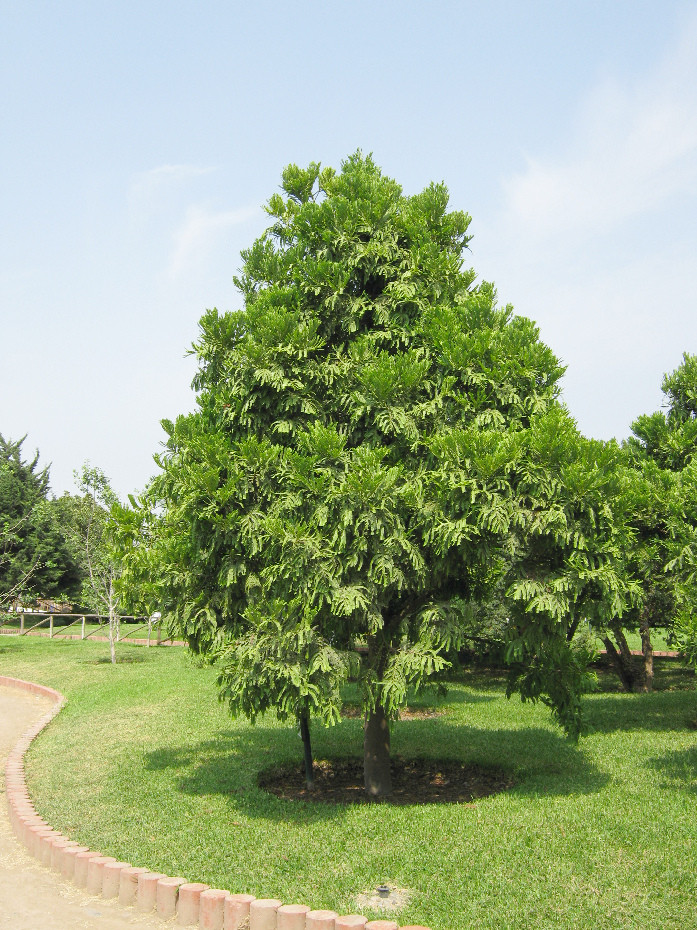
<point>32,896</point>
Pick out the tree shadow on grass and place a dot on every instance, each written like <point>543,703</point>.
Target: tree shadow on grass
<point>679,768</point>
<point>661,711</point>
<point>671,674</point>
<point>541,762</point>
<point>128,658</point>
<point>459,697</point>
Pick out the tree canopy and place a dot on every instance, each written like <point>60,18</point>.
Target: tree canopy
<point>376,443</point>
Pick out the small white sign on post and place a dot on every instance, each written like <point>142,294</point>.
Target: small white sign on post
<point>154,618</point>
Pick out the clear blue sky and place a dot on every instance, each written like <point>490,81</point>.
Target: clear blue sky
<point>139,141</point>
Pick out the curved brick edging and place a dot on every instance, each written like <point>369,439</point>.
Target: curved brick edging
<point>192,903</point>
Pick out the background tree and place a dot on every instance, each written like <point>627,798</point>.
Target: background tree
<point>92,530</point>
<point>373,436</point>
<point>134,536</point>
<point>34,558</point>
<point>670,438</point>
<point>652,507</point>
<point>73,513</point>
<point>660,485</point>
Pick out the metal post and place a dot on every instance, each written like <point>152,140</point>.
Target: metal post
<point>21,623</point>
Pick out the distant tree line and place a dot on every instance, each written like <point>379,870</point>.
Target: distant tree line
<point>47,543</point>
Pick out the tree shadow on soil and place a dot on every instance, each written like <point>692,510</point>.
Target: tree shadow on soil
<point>540,762</point>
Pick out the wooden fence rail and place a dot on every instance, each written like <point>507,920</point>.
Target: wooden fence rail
<point>81,618</point>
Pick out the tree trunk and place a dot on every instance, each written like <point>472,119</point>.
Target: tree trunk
<point>377,772</point>
<point>112,643</point>
<point>647,650</point>
<point>307,748</point>
<point>113,622</point>
<point>625,651</point>
<point>623,662</point>
<point>572,628</point>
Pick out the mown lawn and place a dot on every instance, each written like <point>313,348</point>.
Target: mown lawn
<point>145,764</point>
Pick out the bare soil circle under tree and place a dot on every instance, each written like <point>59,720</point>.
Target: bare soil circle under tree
<point>414,781</point>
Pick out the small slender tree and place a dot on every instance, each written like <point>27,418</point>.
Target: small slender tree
<point>95,532</point>
<point>134,536</point>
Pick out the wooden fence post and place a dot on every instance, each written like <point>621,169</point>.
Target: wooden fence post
<point>83,628</point>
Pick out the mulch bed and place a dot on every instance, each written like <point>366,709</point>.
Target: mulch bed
<point>414,781</point>
<point>405,713</point>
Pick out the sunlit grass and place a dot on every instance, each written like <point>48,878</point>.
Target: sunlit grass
<point>145,764</point>
<point>659,640</point>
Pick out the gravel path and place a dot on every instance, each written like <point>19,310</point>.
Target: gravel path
<point>32,896</point>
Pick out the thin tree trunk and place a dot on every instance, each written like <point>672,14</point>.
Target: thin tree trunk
<point>572,628</point>
<point>112,644</point>
<point>113,622</point>
<point>307,748</point>
<point>647,650</point>
<point>621,640</point>
<point>624,668</point>
<point>377,771</point>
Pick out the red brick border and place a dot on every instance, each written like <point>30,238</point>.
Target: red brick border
<point>193,903</point>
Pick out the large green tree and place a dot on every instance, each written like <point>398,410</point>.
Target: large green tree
<point>376,443</point>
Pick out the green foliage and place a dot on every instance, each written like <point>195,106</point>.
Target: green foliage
<point>73,512</point>
<point>670,439</point>
<point>282,662</point>
<point>684,548</point>
<point>133,534</point>
<point>35,559</point>
<point>685,635</point>
<point>377,441</point>
<point>91,533</point>
<point>661,487</point>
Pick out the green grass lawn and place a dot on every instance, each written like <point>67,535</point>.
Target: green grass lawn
<point>659,640</point>
<point>144,764</point>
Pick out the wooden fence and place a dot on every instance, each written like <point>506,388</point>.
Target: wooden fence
<point>28,623</point>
